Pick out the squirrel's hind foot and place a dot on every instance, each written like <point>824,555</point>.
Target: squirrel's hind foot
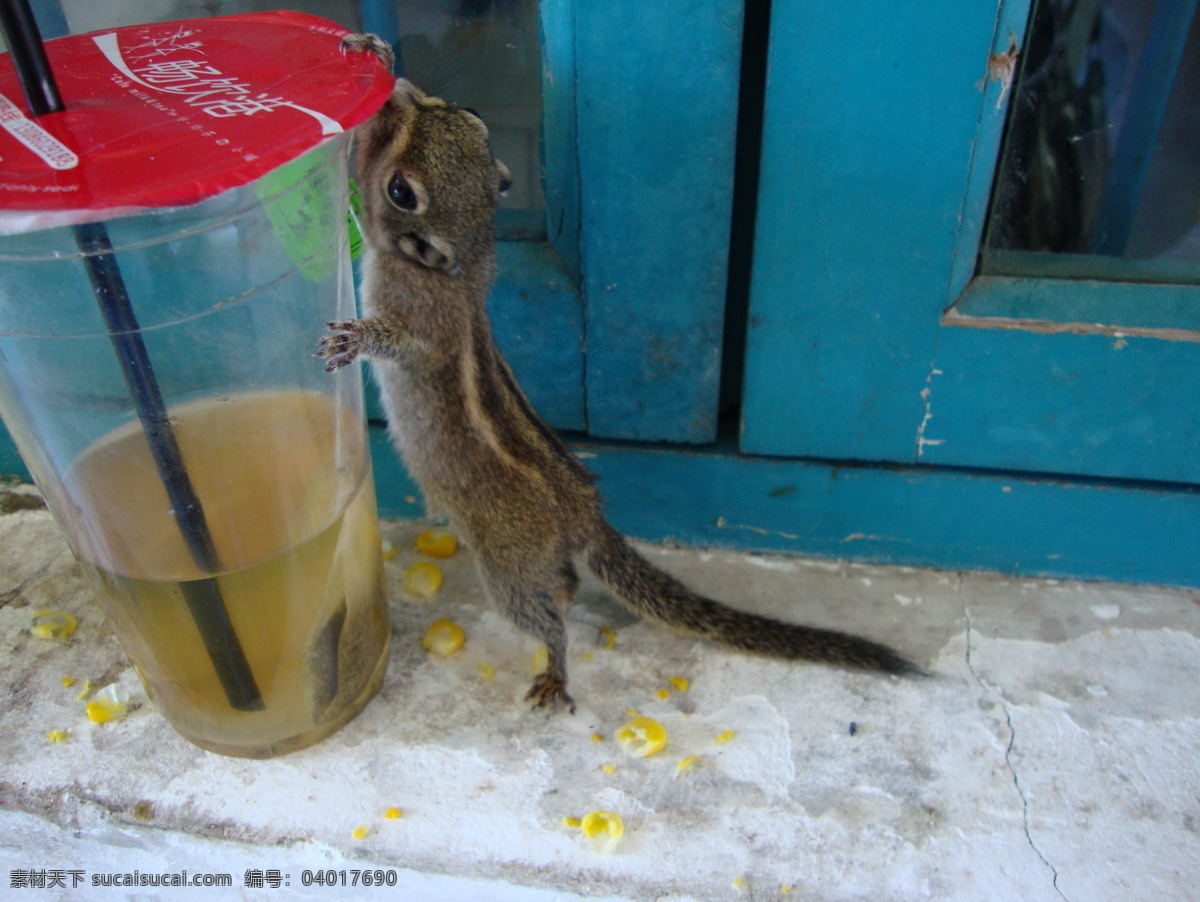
<point>549,691</point>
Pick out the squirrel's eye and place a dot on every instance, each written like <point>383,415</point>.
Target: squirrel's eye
<point>401,193</point>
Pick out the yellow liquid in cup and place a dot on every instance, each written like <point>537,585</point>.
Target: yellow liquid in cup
<point>288,497</point>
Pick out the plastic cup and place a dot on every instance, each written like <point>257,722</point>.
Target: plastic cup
<point>172,238</point>
<point>230,295</point>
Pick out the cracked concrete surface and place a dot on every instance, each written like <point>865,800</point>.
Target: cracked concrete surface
<point>1008,749</point>
<point>1052,755</point>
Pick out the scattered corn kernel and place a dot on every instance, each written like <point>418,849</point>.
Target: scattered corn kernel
<point>739,883</point>
<point>83,693</point>
<point>389,550</point>
<point>687,763</point>
<point>631,712</point>
<point>437,543</point>
<point>422,579</point>
<point>392,813</point>
<point>68,681</point>
<point>725,737</point>
<point>57,735</point>
<point>110,703</point>
<point>603,829</point>
<point>609,768</point>
<point>485,671</point>
<point>444,637</point>
<point>361,831</point>
<point>608,638</point>
<point>586,656</point>
<point>597,737</point>
<point>642,736</point>
<point>49,624</point>
<point>680,683</point>
<point>663,693</point>
<point>541,659</point>
<point>570,822</point>
<point>785,889</point>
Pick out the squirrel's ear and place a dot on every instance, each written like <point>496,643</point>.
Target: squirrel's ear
<point>505,177</point>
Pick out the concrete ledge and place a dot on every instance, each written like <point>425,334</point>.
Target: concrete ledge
<point>1052,755</point>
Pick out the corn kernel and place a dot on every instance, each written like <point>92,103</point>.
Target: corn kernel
<point>642,736</point>
<point>485,671</point>
<point>663,693</point>
<point>785,889</point>
<point>389,550</point>
<point>631,712</point>
<point>57,735</point>
<point>437,543</point>
<point>688,763</point>
<point>603,829</point>
<point>739,883</point>
<point>726,736</point>
<point>392,813</point>
<point>68,681</point>
<point>570,822</point>
<point>541,659</point>
<point>680,683</point>
<point>586,656</point>
<point>609,768</point>
<point>422,579</point>
<point>608,638</point>
<point>444,637</point>
<point>83,693</point>
<point>110,703</point>
<point>361,831</point>
<point>597,737</point>
<point>52,625</point>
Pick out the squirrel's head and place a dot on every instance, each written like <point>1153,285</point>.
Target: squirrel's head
<point>428,180</point>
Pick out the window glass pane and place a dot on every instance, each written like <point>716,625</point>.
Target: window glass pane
<point>1100,172</point>
<point>486,55</point>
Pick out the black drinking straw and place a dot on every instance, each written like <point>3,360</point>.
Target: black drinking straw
<point>203,596</point>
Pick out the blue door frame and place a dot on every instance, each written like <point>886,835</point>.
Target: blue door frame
<point>873,341</point>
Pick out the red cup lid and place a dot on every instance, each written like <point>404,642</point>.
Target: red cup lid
<point>171,113</point>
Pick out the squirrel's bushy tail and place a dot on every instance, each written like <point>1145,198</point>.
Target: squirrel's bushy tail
<point>661,598</point>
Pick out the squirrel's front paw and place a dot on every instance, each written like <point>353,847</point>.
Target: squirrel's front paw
<point>370,43</point>
<point>340,348</point>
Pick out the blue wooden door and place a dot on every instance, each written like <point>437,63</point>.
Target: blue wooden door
<point>876,335</point>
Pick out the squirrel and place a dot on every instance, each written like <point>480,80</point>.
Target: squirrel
<point>467,434</point>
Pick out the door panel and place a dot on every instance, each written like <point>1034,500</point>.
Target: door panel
<point>537,318</point>
<point>870,124</point>
<point>657,101</point>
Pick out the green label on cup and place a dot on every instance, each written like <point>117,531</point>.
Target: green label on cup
<point>352,219</point>
<point>298,198</point>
